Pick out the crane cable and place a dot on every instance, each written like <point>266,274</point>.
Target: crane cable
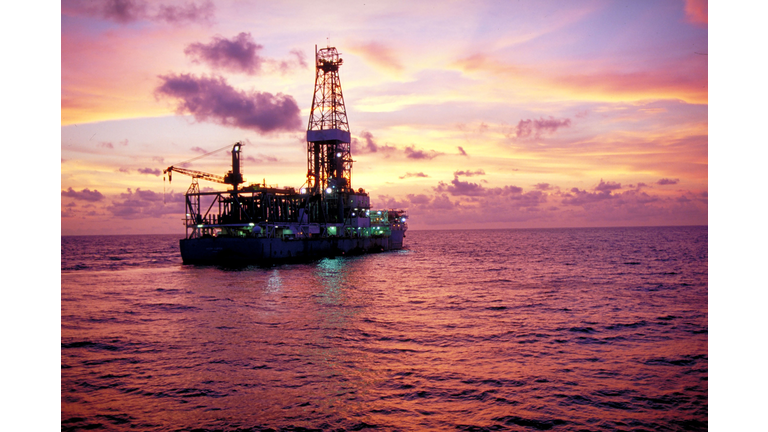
<point>202,156</point>
<point>190,160</point>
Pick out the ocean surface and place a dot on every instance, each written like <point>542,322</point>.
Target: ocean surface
<point>521,330</point>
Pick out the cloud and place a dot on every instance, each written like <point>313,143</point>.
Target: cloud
<point>241,55</point>
<point>155,172</point>
<point>418,199</point>
<point>466,188</point>
<point>378,54</point>
<point>297,60</point>
<point>458,187</point>
<point>424,202</point>
<point>261,159</point>
<point>469,173</point>
<point>84,195</point>
<point>213,100</point>
<point>370,146</point>
<point>146,204</point>
<point>237,55</point>
<point>526,128</point>
<point>199,150</point>
<point>123,11</point>
<point>697,11</point>
<point>471,204</point>
<point>462,152</point>
<point>129,11</point>
<point>412,153</point>
<point>110,145</point>
<point>666,181</point>
<point>189,12</point>
<point>578,197</point>
<point>607,186</point>
<point>477,62</point>
<point>418,174</point>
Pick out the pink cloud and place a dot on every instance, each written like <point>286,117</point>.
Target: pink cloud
<point>697,11</point>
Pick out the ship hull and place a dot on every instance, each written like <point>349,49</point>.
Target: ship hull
<point>261,250</point>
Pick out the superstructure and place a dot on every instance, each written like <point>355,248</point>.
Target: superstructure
<point>325,217</point>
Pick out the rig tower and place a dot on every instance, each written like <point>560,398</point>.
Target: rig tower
<point>329,159</point>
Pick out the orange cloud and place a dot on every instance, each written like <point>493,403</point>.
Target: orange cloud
<point>688,81</point>
<point>379,55</point>
<point>637,85</point>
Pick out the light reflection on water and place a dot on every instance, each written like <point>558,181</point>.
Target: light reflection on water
<point>521,330</point>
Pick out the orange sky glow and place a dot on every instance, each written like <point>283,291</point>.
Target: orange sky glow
<point>488,114</point>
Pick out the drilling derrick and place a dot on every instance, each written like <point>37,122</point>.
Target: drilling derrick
<point>329,160</point>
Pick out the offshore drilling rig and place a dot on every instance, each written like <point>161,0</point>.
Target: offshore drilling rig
<point>261,224</point>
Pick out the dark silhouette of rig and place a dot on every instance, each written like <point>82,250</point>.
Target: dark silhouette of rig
<point>325,207</point>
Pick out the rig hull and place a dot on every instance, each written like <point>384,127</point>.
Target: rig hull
<point>264,251</point>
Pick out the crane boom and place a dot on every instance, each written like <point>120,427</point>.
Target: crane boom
<point>233,177</point>
<point>194,174</point>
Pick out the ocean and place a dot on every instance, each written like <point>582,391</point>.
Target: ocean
<point>479,330</point>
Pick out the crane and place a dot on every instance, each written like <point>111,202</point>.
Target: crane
<point>233,177</point>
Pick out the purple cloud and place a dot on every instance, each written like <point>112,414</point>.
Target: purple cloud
<point>462,152</point>
<point>84,195</point>
<point>146,204</point>
<point>412,153</point>
<point>418,174</point>
<point>526,128</point>
<point>212,99</point>
<point>607,186</point>
<point>155,172</point>
<point>128,11</point>
<point>666,181</point>
<point>123,11</point>
<point>370,145</point>
<point>469,173</point>
<point>418,199</point>
<point>237,55</point>
<point>298,60</point>
<point>461,188</point>
<point>241,54</point>
<point>579,197</point>
<point>189,12</point>
<point>261,159</point>
<point>506,190</point>
<point>542,186</point>
<point>458,187</point>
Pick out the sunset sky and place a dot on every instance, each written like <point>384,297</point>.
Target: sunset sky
<point>487,114</point>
